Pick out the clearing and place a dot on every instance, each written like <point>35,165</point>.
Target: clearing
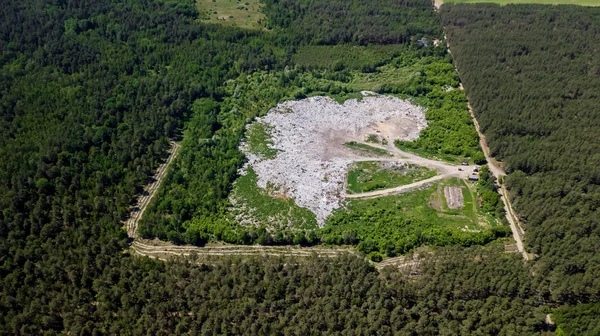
<point>454,197</point>
<point>243,14</point>
<point>375,175</point>
<point>308,135</point>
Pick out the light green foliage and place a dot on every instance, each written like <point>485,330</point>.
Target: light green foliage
<point>340,57</point>
<point>539,2</point>
<point>375,175</point>
<point>366,149</point>
<point>581,319</point>
<point>373,138</point>
<point>268,208</point>
<point>428,78</point>
<point>243,14</point>
<point>258,139</point>
<point>397,224</point>
<point>487,189</point>
<point>450,134</point>
<point>421,75</point>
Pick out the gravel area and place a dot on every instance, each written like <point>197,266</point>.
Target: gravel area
<point>305,132</point>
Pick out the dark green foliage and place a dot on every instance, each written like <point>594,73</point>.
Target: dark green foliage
<point>345,56</point>
<point>583,319</point>
<point>330,22</point>
<point>90,91</point>
<point>532,74</point>
<point>252,296</point>
<point>488,191</point>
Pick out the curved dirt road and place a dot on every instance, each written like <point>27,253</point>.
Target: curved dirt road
<point>445,170</point>
<point>163,250</point>
<point>149,191</point>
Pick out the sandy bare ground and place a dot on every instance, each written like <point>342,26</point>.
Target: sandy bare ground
<point>160,250</point>
<point>309,134</point>
<point>454,197</point>
<point>149,191</point>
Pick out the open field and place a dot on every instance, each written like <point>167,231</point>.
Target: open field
<point>370,175</point>
<point>538,2</point>
<point>397,224</point>
<point>243,14</point>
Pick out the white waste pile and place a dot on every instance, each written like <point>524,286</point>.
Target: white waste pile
<point>302,131</point>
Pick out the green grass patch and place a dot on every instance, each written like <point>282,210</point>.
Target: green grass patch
<point>243,14</point>
<point>406,146</point>
<point>372,138</point>
<point>366,149</point>
<point>374,175</point>
<point>258,207</point>
<point>387,75</point>
<point>531,2</point>
<point>397,224</point>
<point>258,140</point>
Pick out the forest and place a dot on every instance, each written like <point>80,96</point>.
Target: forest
<point>90,93</point>
<point>532,75</point>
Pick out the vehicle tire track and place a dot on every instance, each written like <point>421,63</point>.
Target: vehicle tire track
<point>144,199</point>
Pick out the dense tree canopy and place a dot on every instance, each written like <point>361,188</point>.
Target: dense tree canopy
<point>533,76</point>
<point>330,22</point>
<point>90,93</point>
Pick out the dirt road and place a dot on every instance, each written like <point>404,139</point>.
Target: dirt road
<point>445,170</point>
<point>162,250</point>
<point>144,199</point>
<point>498,172</point>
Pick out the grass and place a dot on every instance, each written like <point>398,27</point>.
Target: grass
<point>398,224</point>
<point>387,74</point>
<point>538,2</point>
<point>258,207</point>
<point>370,175</point>
<point>366,149</point>
<point>428,155</point>
<point>258,139</point>
<point>418,205</point>
<point>243,14</point>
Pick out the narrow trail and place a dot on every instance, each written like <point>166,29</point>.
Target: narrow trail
<point>144,199</point>
<point>163,250</point>
<point>515,224</point>
<point>498,172</point>
<point>397,190</point>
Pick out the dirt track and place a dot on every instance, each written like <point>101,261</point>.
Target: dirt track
<point>163,250</point>
<point>445,170</point>
<point>144,199</point>
<point>515,224</point>
<point>513,219</point>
